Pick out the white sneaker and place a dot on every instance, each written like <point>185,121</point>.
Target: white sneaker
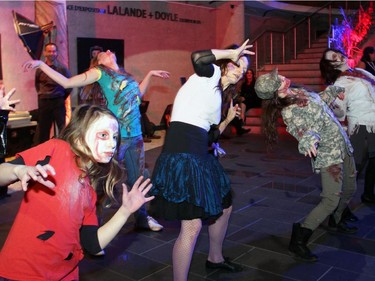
<point>153,224</point>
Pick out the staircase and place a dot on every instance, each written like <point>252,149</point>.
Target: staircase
<point>304,71</point>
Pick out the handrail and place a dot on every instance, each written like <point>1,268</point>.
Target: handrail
<point>296,24</point>
<point>288,46</point>
<point>309,16</point>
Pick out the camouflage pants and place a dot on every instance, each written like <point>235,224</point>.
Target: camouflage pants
<point>338,187</point>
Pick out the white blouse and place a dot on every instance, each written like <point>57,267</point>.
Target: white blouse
<point>198,102</point>
<point>359,102</point>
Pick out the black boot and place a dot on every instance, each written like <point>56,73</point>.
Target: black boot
<point>340,226</point>
<point>298,243</point>
<point>347,215</point>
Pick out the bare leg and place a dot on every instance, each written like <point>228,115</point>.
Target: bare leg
<point>217,232</point>
<point>184,247</point>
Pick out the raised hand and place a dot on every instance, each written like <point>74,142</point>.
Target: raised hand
<point>31,64</point>
<point>136,197</point>
<point>160,73</point>
<point>233,111</point>
<point>36,173</point>
<point>241,51</point>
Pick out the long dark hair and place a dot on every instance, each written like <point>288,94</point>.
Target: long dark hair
<point>233,89</point>
<point>271,112</point>
<point>366,54</point>
<point>328,72</point>
<point>74,134</point>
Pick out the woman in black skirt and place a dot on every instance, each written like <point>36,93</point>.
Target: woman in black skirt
<point>189,183</point>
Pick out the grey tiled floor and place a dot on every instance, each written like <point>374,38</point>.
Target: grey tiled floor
<point>272,190</point>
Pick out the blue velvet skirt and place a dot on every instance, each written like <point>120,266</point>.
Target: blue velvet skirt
<point>188,182</point>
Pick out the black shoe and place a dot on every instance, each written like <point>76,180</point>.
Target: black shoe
<point>242,131</point>
<point>368,199</point>
<point>340,227</point>
<point>225,265</point>
<point>347,215</point>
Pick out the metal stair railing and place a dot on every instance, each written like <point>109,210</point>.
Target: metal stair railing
<point>297,37</point>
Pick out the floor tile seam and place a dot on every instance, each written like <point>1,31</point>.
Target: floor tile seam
<point>324,231</point>
<point>154,248</point>
<point>155,238</point>
<point>240,228</point>
<point>332,267</point>
<point>248,206</point>
<point>108,268</point>
<point>155,272</point>
<point>165,265</point>
<point>267,271</point>
<point>325,273</point>
<point>312,242</point>
<point>365,236</point>
<point>205,276</point>
<point>277,274</point>
<point>313,188</point>
<point>297,262</point>
<point>286,236</point>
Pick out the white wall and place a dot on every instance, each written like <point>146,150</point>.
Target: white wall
<point>14,55</point>
<point>149,43</point>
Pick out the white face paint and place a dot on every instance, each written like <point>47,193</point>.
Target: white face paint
<point>337,59</point>
<point>282,92</point>
<point>101,137</point>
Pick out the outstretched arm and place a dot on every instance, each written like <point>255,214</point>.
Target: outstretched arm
<point>80,80</point>
<point>131,201</point>
<point>146,81</point>
<point>233,54</point>
<point>202,60</point>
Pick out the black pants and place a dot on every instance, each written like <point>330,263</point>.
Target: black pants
<point>363,143</point>
<point>50,111</point>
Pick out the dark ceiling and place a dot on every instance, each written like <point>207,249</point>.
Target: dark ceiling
<point>249,3</point>
<point>335,4</point>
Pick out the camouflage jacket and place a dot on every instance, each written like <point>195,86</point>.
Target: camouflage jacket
<point>316,122</point>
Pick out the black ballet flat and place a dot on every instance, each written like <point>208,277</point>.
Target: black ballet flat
<point>225,265</point>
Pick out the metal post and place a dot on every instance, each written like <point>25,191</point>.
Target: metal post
<point>283,48</point>
<point>256,55</point>
<point>309,31</point>
<point>295,42</point>
<point>271,44</point>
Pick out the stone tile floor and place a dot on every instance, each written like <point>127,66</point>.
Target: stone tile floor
<point>272,190</point>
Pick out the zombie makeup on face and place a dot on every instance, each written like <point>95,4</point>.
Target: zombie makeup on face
<point>101,138</point>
